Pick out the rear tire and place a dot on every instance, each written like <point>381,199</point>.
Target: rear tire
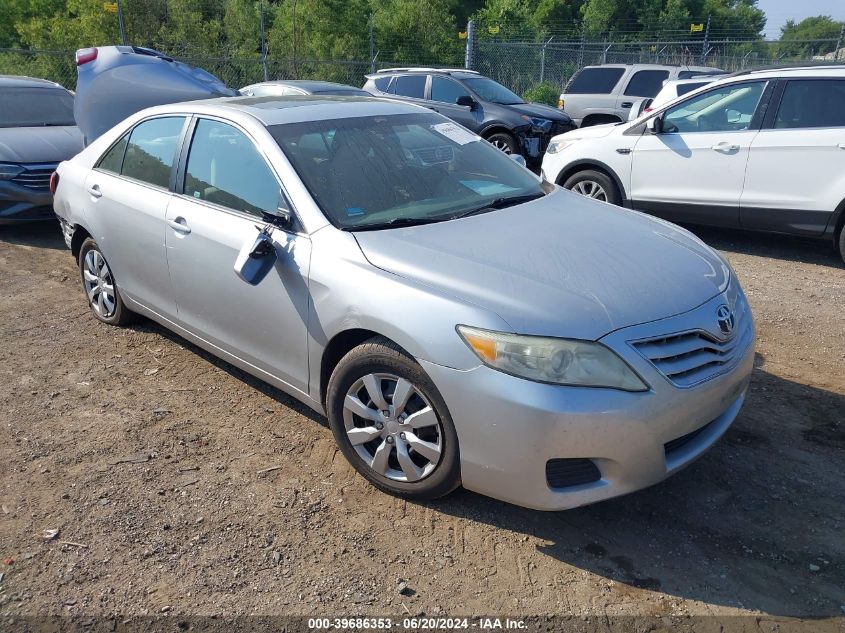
<point>594,184</point>
<point>407,448</point>
<point>842,243</point>
<point>100,287</point>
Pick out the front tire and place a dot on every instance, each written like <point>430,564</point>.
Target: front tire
<point>594,184</point>
<point>100,287</point>
<point>504,142</point>
<point>842,243</point>
<point>391,423</point>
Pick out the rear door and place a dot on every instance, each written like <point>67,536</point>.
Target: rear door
<point>796,167</point>
<point>226,184</point>
<point>643,84</point>
<point>129,193</point>
<point>694,170</point>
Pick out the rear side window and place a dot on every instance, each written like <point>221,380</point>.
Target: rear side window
<point>151,150</point>
<point>410,86</point>
<point>595,81</point>
<point>812,103</point>
<point>112,160</point>
<point>646,83</point>
<point>225,168</point>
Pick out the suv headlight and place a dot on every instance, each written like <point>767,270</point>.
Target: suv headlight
<point>9,170</point>
<point>558,361</point>
<point>539,124</point>
<point>560,143</point>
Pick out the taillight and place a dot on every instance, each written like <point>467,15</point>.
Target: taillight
<point>647,110</point>
<point>560,104</point>
<point>54,182</point>
<point>85,55</point>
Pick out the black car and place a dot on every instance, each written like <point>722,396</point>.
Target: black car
<point>478,103</point>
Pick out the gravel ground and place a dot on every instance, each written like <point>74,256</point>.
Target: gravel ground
<point>181,485</point>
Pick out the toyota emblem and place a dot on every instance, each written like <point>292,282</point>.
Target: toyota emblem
<point>725,319</point>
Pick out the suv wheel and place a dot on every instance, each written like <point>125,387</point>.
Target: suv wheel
<point>594,184</point>
<point>100,287</point>
<point>391,423</point>
<point>504,142</point>
<point>842,242</point>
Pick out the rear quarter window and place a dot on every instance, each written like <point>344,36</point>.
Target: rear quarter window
<point>595,81</point>
<point>382,83</point>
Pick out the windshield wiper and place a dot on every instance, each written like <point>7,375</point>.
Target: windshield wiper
<point>498,203</point>
<point>394,223</point>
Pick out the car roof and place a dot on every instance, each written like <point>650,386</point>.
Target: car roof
<point>658,66</point>
<point>305,84</point>
<point>459,72</point>
<point>817,70</point>
<point>294,109</point>
<point>19,81</point>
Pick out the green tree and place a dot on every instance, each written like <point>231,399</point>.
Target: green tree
<point>802,39</point>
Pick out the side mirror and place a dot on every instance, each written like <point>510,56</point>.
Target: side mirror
<point>467,101</point>
<point>257,257</point>
<point>655,124</point>
<point>518,159</point>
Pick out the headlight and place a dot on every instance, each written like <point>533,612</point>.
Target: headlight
<point>560,144</point>
<point>553,360</point>
<point>9,170</point>
<point>543,125</point>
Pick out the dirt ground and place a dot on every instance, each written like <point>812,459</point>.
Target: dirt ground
<point>153,460</point>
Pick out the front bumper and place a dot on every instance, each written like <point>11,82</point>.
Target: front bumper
<point>534,141</point>
<point>19,203</point>
<point>509,428</point>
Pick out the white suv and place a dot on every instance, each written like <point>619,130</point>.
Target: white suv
<point>762,150</point>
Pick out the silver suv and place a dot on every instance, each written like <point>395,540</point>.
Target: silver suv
<point>605,94</point>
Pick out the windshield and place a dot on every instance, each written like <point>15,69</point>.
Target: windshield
<point>491,91</point>
<point>383,171</point>
<point>35,107</point>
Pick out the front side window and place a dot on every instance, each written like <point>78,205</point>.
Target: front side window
<point>225,168</point>
<point>446,90</point>
<point>152,149</point>
<point>810,103</point>
<point>35,107</point>
<point>724,109</point>
<point>375,172</point>
<point>646,83</point>
<point>494,92</point>
<point>112,160</point>
<point>595,81</point>
<point>410,86</point>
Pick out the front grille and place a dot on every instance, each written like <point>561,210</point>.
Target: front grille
<point>564,473</point>
<point>36,177</point>
<point>689,358</point>
<point>679,442</point>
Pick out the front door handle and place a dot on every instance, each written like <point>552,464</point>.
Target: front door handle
<point>179,224</point>
<point>841,146</point>
<point>725,148</point>
<point>627,104</point>
<point>95,192</point>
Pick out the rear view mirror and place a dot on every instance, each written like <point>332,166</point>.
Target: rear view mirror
<point>733,116</point>
<point>467,101</point>
<point>257,256</point>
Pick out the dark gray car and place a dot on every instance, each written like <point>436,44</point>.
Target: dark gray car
<point>37,132</point>
<point>479,104</point>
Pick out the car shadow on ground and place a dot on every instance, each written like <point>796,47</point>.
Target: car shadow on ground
<point>45,234</point>
<point>776,246</point>
<point>756,523</point>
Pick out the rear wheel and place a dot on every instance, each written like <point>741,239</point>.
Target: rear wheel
<point>391,423</point>
<point>99,285</point>
<point>842,242</point>
<point>594,184</point>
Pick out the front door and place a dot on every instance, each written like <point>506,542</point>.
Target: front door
<point>226,185</point>
<point>694,169</point>
<point>444,96</point>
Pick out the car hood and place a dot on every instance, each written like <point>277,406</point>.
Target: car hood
<point>39,144</point>
<point>562,265</point>
<point>592,131</point>
<point>542,111</point>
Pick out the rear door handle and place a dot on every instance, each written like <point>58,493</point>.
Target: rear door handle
<point>95,192</point>
<point>725,147</point>
<point>179,224</point>
<point>627,104</point>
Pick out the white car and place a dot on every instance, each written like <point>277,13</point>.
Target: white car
<point>670,91</point>
<point>763,150</point>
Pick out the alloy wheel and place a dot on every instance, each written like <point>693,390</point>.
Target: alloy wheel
<point>99,284</point>
<point>591,189</point>
<point>501,145</point>
<point>392,427</point>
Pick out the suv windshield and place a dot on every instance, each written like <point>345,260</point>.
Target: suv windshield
<point>35,107</point>
<point>491,91</point>
<point>385,171</point>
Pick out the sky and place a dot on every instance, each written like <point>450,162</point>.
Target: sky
<point>779,11</point>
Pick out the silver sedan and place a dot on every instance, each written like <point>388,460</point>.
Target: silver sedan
<point>458,320</point>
